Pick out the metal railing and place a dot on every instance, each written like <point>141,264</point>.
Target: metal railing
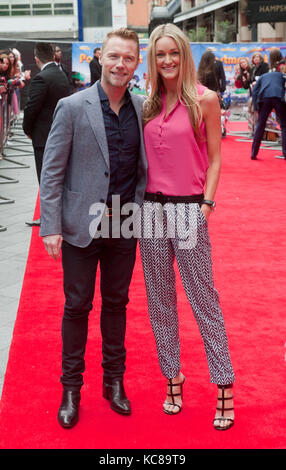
<point>7,131</point>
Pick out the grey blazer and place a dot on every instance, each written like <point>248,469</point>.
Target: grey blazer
<point>75,172</point>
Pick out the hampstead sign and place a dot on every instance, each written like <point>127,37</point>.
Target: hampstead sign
<point>266,11</point>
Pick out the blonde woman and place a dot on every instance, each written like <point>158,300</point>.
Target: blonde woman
<point>182,139</point>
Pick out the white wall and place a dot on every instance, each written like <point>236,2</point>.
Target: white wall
<point>119,13</point>
<point>119,19</point>
<point>265,30</point>
<point>57,26</point>
<point>95,34</point>
<point>38,23</point>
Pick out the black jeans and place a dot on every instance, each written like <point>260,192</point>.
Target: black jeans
<point>116,258</point>
<point>265,109</point>
<point>39,153</point>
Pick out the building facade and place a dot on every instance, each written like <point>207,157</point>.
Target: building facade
<point>86,20</point>
<point>91,20</point>
<point>39,19</point>
<point>101,16</point>
<point>226,20</point>
<point>139,12</point>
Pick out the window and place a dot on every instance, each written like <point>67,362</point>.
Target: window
<point>63,9</point>
<point>97,13</point>
<point>42,9</point>
<point>4,10</point>
<point>38,7</point>
<point>20,10</point>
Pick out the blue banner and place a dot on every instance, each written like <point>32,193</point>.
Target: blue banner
<point>229,54</point>
<point>82,54</point>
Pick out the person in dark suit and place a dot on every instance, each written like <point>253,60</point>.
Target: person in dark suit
<point>58,60</point>
<point>269,94</point>
<point>95,153</point>
<point>46,88</point>
<point>95,66</point>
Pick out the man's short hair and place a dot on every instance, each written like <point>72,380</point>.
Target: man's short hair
<point>44,51</point>
<point>96,49</point>
<point>124,33</point>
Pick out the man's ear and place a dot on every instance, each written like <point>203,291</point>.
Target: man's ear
<point>37,62</point>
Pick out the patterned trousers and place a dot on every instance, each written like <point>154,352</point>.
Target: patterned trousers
<point>181,231</point>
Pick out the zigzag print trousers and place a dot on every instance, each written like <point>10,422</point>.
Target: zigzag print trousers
<point>180,231</point>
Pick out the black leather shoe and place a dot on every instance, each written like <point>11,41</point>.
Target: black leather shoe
<point>68,411</point>
<point>34,223</point>
<point>115,393</point>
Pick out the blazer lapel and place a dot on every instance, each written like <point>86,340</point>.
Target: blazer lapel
<point>138,106</point>
<point>95,117</point>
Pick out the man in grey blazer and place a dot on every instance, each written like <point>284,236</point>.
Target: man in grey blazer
<point>95,152</point>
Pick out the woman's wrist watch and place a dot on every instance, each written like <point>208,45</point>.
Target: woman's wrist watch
<point>209,203</point>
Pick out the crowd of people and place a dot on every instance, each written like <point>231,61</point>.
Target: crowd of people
<point>12,77</point>
<point>247,76</point>
<point>262,87</point>
<point>247,73</point>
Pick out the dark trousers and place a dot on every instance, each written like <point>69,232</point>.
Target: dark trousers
<point>116,258</point>
<point>39,153</point>
<point>265,109</point>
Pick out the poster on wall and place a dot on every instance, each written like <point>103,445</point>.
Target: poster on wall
<point>228,54</point>
<point>82,54</point>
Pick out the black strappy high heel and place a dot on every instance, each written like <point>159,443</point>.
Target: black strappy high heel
<point>222,418</point>
<point>172,395</point>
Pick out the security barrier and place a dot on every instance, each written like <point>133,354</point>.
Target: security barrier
<point>8,130</point>
<point>4,120</point>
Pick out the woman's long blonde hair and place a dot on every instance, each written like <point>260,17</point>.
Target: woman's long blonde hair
<point>186,85</point>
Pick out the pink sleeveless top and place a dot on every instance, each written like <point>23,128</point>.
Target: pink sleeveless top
<point>177,163</point>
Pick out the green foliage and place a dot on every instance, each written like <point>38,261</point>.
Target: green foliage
<point>198,35</point>
<point>224,31</point>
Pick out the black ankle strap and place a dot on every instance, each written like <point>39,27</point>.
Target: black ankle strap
<point>225,386</point>
<point>175,385</point>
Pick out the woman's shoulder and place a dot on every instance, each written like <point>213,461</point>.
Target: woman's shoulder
<point>201,88</point>
<point>205,94</point>
<point>203,91</point>
<point>209,103</point>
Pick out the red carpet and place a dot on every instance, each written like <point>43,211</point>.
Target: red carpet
<point>249,252</point>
